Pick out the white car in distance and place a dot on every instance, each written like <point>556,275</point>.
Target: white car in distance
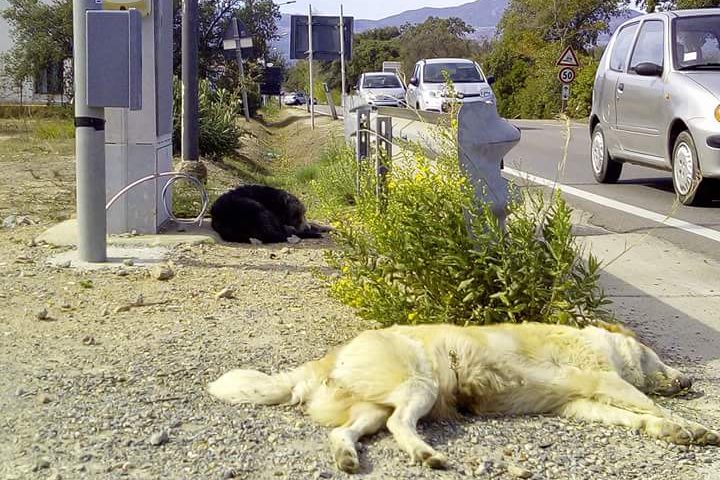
<point>381,89</point>
<point>427,89</point>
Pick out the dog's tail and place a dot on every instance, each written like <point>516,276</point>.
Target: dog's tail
<point>251,386</point>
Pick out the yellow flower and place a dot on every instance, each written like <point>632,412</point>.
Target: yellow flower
<point>412,316</point>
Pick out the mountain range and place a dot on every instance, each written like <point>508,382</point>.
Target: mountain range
<point>483,15</point>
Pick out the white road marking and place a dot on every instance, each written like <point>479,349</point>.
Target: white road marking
<point>705,232</point>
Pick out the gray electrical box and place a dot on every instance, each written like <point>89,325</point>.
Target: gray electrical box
<point>114,59</point>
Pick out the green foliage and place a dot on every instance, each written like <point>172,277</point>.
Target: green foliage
<point>435,37</point>
<point>533,35</point>
<point>42,35</point>
<point>218,111</point>
<point>332,181</point>
<point>259,16</point>
<point>430,253</point>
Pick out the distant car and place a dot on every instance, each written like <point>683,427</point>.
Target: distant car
<point>427,88</point>
<point>381,89</point>
<point>656,100</point>
<point>294,98</point>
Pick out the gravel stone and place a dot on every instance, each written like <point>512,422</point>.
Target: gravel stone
<point>162,272</point>
<point>159,438</point>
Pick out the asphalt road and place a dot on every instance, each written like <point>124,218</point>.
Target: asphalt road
<point>540,153</point>
<point>643,200</point>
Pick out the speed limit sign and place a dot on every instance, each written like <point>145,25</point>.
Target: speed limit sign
<point>566,75</point>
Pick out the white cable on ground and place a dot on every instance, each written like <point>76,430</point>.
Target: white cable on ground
<point>174,176</point>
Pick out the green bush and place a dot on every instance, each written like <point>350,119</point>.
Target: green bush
<point>218,111</point>
<point>430,253</point>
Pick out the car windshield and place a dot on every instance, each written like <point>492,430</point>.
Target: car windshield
<point>458,73</point>
<point>381,81</point>
<point>696,42</point>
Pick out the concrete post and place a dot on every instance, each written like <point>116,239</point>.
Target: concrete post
<point>241,69</point>
<point>484,138</point>
<point>384,133</point>
<point>362,141</point>
<point>342,56</point>
<point>331,103</point>
<point>190,128</point>
<point>89,149</point>
<point>310,68</point>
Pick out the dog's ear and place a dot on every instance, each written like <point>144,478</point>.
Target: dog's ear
<point>615,328</point>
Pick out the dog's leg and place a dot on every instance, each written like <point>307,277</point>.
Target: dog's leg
<point>611,388</point>
<point>669,429</point>
<point>365,419</point>
<point>412,401</point>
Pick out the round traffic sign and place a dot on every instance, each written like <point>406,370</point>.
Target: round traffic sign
<point>566,75</point>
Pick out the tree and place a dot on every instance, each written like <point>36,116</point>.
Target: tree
<point>42,35</point>
<point>435,37</point>
<point>533,33</point>
<point>259,16</point>
<point>370,50</point>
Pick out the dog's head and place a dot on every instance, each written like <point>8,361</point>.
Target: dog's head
<point>295,213</point>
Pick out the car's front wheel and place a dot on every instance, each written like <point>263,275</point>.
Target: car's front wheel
<point>605,169</point>
<point>687,178</point>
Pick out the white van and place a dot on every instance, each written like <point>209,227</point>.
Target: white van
<point>427,87</point>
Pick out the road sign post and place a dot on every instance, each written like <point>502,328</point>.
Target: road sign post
<point>567,62</point>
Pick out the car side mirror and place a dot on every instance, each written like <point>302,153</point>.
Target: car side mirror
<point>648,69</point>
<point>414,81</point>
<point>490,79</point>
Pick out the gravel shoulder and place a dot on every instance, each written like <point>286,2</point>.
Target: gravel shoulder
<point>110,382</point>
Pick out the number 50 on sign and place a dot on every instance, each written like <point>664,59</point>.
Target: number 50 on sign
<point>566,75</point>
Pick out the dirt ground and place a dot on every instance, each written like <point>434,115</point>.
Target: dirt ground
<point>103,373</point>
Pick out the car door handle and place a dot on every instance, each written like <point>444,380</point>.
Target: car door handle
<point>621,87</point>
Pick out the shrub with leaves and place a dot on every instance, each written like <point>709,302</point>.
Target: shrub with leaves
<point>431,253</point>
<point>218,114</point>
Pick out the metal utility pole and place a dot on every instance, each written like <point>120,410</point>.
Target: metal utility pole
<point>243,90</point>
<point>310,59</point>
<point>89,149</point>
<point>190,128</point>
<point>342,56</point>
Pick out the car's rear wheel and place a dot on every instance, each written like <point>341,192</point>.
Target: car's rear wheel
<point>687,178</point>
<point>605,169</point>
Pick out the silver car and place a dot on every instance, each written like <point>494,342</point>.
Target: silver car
<point>427,88</point>
<point>381,89</point>
<point>656,100</point>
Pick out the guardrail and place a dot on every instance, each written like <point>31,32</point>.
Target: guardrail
<point>484,138</point>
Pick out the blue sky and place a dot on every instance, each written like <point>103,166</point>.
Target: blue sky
<point>369,9</point>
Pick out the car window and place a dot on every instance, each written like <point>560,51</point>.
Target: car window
<point>416,72</point>
<point>621,47</point>
<point>650,44</point>
<point>381,81</point>
<point>696,42</point>
<point>457,72</point>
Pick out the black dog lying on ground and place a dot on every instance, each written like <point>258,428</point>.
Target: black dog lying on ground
<point>264,213</point>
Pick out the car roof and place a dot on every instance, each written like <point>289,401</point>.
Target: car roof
<point>673,14</point>
<point>446,60</point>
<point>379,74</point>
<point>694,12</point>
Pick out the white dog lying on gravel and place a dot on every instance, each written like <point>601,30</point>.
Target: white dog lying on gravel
<point>396,376</point>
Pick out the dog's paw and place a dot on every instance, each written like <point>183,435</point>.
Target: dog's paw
<point>430,458</point>
<point>702,435</point>
<point>347,460</point>
<point>673,432</point>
